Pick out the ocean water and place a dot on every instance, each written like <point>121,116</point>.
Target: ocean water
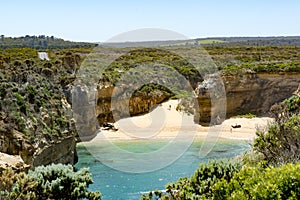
<point>115,184</point>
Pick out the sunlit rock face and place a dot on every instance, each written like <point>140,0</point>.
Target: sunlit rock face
<point>114,103</point>
<point>248,93</point>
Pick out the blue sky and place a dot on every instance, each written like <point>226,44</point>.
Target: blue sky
<point>99,20</point>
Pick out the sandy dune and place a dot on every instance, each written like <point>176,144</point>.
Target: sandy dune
<point>164,122</point>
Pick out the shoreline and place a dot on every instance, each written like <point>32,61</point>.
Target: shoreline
<point>165,123</point>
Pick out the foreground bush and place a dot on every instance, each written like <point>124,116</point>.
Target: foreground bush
<point>48,182</point>
<point>280,143</point>
<point>16,185</point>
<point>200,184</point>
<point>258,183</point>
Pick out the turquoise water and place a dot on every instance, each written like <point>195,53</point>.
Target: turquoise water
<point>114,184</point>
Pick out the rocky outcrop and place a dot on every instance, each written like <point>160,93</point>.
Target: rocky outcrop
<point>84,111</point>
<point>14,143</point>
<point>115,103</point>
<point>36,124</point>
<point>63,151</point>
<point>209,106</point>
<point>93,107</point>
<point>14,162</point>
<point>247,93</point>
<point>36,120</point>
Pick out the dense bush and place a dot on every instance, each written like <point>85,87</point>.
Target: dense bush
<point>238,59</point>
<point>218,180</point>
<point>280,143</point>
<point>259,183</point>
<point>47,182</point>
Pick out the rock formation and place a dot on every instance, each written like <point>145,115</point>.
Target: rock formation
<point>14,162</point>
<point>36,121</point>
<point>249,93</point>
<point>115,103</point>
<point>84,111</point>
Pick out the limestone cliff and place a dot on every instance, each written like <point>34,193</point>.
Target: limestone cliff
<point>36,121</point>
<point>114,103</point>
<point>84,111</point>
<point>247,93</point>
<point>41,149</point>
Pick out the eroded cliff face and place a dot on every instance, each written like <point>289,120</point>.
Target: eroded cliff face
<point>84,111</point>
<point>36,122</point>
<point>61,149</point>
<point>248,93</point>
<point>115,103</point>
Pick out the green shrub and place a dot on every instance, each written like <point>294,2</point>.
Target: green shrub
<point>280,144</point>
<point>199,185</point>
<point>292,103</point>
<point>16,185</point>
<point>54,181</point>
<point>251,158</point>
<point>258,183</point>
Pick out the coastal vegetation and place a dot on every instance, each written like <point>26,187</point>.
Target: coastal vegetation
<point>32,98</point>
<point>246,115</point>
<point>35,113</point>
<point>247,182</point>
<point>55,181</point>
<point>251,176</point>
<point>40,42</point>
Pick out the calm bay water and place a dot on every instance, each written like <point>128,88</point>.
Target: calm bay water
<point>115,185</point>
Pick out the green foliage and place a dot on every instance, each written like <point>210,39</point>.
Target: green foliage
<point>247,115</point>
<point>200,184</point>
<point>259,183</point>
<point>151,88</point>
<point>218,180</point>
<point>41,42</point>
<point>251,158</point>
<point>55,181</point>
<point>32,95</point>
<point>209,41</point>
<point>232,69</point>
<point>238,60</point>
<point>16,185</point>
<point>153,58</point>
<point>292,103</point>
<point>21,103</point>
<point>280,143</point>
<point>17,54</point>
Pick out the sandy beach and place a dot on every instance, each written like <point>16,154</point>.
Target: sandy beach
<point>164,122</point>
